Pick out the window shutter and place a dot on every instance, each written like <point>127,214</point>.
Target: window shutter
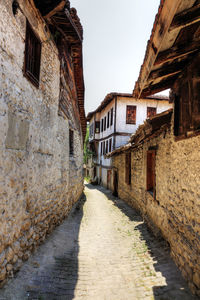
<point>131,114</point>
<point>151,111</point>
<point>32,56</point>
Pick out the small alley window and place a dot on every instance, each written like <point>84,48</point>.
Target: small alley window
<point>32,56</point>
<point>108,120</point>
<point>104,148</point>
<point>151,111</point>
<point>71,142</point>
<point>130,114</point>
<point>151,182</point>
<point>128,168</point>
<point>101,148</point>
<point>111,117</point>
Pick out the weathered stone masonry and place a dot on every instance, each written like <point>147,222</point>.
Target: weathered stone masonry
<point>39,179</point>
<point>174,212</point>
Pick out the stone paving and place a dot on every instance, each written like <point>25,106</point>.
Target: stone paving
<point>102,251</point>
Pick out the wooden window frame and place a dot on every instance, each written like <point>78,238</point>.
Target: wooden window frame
<point>151,111</point>
<point>187,109</point>
<point>32,59</point>
<point>151,172</point>
<point>71,142</point>
<point>129,119</point>
<point>128,168</point>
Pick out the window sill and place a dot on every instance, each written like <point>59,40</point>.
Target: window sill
<point>32,79</point>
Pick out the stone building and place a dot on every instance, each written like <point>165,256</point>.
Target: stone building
<point>42,123</point>
<point>159,171</point>
<point>111,126</point>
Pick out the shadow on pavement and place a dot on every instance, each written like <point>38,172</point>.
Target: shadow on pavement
<point>58,280</point>
<point>176,288</point>
<point>51,273</point>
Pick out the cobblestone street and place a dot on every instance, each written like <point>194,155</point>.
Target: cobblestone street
<point>103,251</point>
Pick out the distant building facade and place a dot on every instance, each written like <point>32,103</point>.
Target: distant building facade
<point>111,126</point>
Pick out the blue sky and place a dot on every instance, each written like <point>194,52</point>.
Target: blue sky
<point>115,38</point>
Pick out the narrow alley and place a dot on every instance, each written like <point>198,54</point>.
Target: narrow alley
<point>102,251</point>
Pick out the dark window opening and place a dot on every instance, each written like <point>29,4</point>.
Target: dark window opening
<point>128,168</point>
<point>32,56</point>
<point>110,145</point>
<point>104,123</point>
<point>151,111</point>
<point>111,117</point>
<point>151,182</point>
<point>104,149</point>
<point>101,148</point>
<point>101,125</point>
<point>97,127</point>
<point>15,7</point>
<point>130,114</point>
<point>108,120</point>
<point>71,142</point>
<point>106,146</point>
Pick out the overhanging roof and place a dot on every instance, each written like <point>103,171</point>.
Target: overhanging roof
<point>64,21</point>
<point>109,97</point>
<point>174,41</point>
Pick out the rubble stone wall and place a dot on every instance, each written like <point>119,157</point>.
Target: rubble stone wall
<point>39,180</point>
<point>175,211</point>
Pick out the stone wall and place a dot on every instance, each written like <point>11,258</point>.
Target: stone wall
<point>39,180</point>
<point>175,211</point>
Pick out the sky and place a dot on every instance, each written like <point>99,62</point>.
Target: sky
<point>115,39</point>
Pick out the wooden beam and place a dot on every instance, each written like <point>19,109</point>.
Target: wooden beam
<point>168,69</point>
<point>186,18</point>
<point>158,87</point>
<point>177,52</point>
<point>162,23</point>
<point>58,8</point>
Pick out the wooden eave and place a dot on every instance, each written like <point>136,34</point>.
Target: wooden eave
<point>64,20</point>
<point>109,97</point>
<point>65,25</point>
<point>174,41</point>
